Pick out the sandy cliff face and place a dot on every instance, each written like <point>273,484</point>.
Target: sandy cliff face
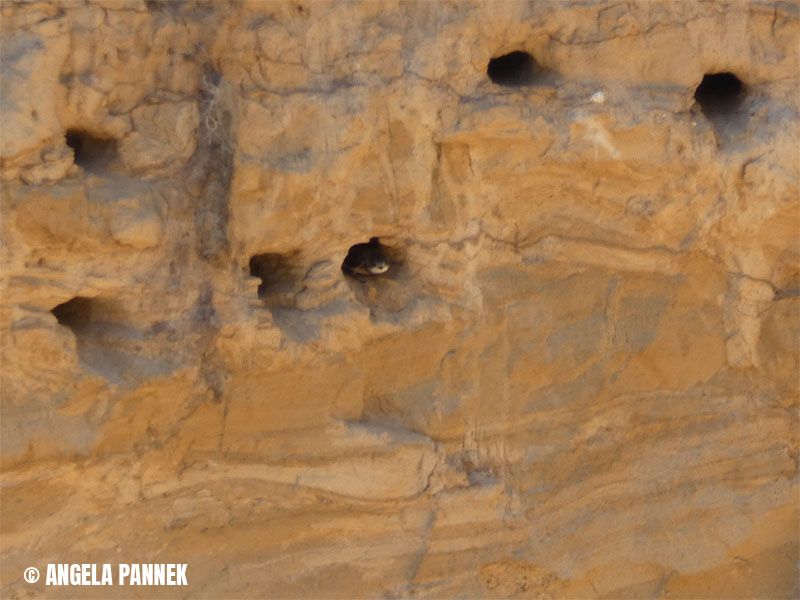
<point>579,377</point>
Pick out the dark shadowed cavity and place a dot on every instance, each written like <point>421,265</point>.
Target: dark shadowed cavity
<point>91,152</point>
<point>514,69</point>
<point>719,94</point>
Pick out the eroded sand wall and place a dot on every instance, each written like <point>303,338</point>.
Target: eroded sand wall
<point>579,379</point>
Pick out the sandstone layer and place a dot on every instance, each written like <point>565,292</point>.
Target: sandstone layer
<point>578,379</point>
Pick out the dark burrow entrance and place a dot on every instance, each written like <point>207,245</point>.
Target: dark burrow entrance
<point>109,344</point>
<point>75,314</point>
<point>720,94</point>
<point>514,69</point>
<point>373,259</point>
<point>91,153</point>
<point>390,287</point>
<point>286,288</point>
<point>280,276</point>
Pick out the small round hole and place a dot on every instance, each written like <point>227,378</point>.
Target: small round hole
<point>719,94</point>
<point>279,274</point>
<point>514,69</point>
<point>91,152</point>
<point>366,259</point>
<point>74,313</point>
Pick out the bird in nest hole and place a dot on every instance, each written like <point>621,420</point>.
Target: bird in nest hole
<point>365,260</point>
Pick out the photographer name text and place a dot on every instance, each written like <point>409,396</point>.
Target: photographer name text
<point>130,574</point>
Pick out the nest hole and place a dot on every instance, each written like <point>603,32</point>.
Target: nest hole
<point>514,69</point>
<point>74,314</point>
<point>373,259</point>
<point>719,94</point>
<point>279,274</point>
<point>90,152</point>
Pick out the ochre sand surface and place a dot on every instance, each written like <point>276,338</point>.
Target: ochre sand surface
<point>579,377</point>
